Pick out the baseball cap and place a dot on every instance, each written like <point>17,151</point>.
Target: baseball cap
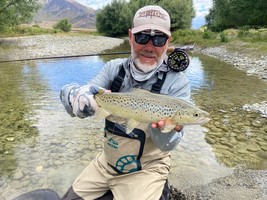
<point>152,17</point>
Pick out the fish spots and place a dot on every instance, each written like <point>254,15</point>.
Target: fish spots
<point>143,106</point>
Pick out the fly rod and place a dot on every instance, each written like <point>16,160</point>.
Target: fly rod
<point>170,49</point>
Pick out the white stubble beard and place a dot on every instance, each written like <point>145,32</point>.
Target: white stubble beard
<point>146,67</point>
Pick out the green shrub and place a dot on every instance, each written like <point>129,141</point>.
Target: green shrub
<point>63,25</point>
<point>207,34</point>
<point>224,37</point>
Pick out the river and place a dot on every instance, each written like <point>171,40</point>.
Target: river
<point>41,146</point>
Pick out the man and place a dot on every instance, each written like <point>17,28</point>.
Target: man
<point>131,166</point>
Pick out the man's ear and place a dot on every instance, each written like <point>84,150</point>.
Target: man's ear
<point>130,35</point>
<point>169,40</point>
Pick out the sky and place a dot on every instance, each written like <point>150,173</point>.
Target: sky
<point>201,7</point>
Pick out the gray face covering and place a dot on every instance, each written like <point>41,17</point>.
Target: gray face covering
<point>139,75</point>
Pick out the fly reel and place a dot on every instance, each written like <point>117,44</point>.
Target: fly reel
<point>178,60</point>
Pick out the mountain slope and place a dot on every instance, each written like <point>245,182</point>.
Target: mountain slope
<point>54,10</point>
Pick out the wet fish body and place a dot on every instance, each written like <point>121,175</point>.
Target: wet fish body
<point>141,106</point>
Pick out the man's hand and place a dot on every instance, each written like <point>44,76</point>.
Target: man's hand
<point>79,100</point>
<point>160,124</point>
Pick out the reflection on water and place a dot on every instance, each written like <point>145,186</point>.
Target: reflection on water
<point>42,147</point>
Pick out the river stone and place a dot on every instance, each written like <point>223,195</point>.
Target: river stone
<point>217,124</point>
<point>253,148</point>
<point>227,144</point>
<point>233,141</point>
<point>91,147</point>
<point>215,129</point>
<point>241,124</point>
<point>237,130</point>
<point>39,168</point>
<point>215,134</point>
<point>58,162</point>
<point>261,143</point>
<point>18,175</point>
<point>242,151</point>
<point>226,153</point>
<point>55,142</point>
<point>225,128</point>
<point>241,138</point>
<point>256,123</point>
<point>210,140</point>
<point>262,155</point>
<point>10,139</point>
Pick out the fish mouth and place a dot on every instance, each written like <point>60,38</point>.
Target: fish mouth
<point>203,120</point>
<point>200,121</point>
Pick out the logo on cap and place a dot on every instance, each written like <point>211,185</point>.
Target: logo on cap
<point>152,13</point>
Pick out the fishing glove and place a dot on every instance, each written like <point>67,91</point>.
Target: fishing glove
<point>165,141</point>
<point>79,100</point>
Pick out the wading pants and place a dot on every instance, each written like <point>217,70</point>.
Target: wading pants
<point>95,181</point>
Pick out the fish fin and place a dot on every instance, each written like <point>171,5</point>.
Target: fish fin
<point>102,113</point>
<point>167,128</point>
<point>130,125</point>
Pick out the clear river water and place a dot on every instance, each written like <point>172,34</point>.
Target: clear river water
<point>41,146</point>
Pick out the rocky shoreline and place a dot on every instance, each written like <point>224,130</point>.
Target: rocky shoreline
<point>41,46</point>
<point>241,184</point>
<point>254,63</point>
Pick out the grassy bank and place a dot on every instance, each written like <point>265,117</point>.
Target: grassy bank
<point>27,30</point>
<point>250,38</point>
<point>241,40</point>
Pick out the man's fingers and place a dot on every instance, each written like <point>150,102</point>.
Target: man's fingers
<point>154,125</point>
<point>160,124</point>
<point>107,91</point>
<point>178,128</point>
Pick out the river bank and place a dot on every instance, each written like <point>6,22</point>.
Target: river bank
<point>252,61</point>
<point>240,184</point>
<point>41,46</point>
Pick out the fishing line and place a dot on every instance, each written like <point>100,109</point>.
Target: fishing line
<point>64,57</point>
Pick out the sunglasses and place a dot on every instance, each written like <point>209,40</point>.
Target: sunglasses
<point>157,40</point>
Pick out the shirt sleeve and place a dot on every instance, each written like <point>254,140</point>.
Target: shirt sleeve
<point>107,74</point>
<point>181,88</point>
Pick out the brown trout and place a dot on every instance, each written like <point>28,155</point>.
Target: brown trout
<point>142,106</point>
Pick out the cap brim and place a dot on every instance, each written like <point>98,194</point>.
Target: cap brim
<point>150,27</point>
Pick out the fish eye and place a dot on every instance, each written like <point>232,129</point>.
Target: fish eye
<point>196,115</point>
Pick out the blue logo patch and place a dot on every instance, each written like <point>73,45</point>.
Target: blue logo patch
<point>112,143</point>
<point>127,164</point>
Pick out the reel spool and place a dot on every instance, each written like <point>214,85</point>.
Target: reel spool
<point>178,60</point>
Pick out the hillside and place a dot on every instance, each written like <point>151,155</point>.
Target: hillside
<point>53,10</point>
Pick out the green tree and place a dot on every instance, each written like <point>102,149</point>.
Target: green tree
<point>236,13</point>
<point>63,25</point>
<point>15,12</point>
<point>114,19</point>
<point>181,12</point>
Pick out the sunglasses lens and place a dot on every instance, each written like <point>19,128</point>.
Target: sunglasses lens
<point>158,40</point>
<point>141,38</point>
